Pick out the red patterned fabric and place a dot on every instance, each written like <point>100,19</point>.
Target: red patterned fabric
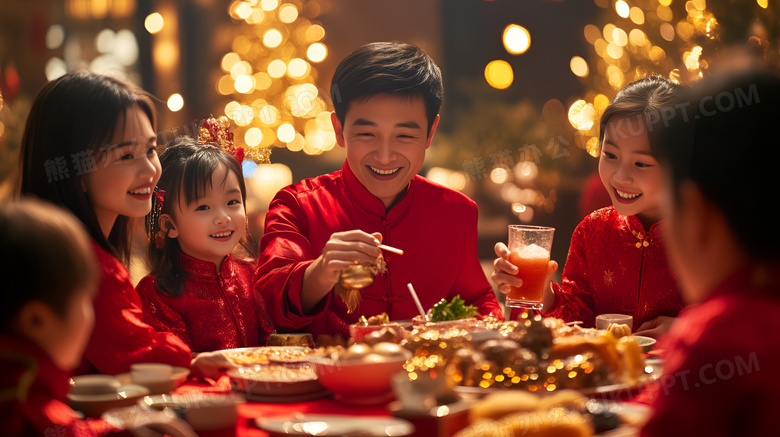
<point>614,266</point>
<point>33,394</point>
<point>217,310</point>
<point>435,226</point>
<point>722,363</point>
<point>120,336</point>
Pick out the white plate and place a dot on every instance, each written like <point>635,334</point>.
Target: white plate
<point>276,381</point>
<point>336,425</point>
<point>177,378</point>
<point>95,405</point>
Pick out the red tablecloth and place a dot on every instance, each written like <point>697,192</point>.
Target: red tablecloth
<point>249,411</point>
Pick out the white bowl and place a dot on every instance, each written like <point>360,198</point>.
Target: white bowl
<point>646,343</point>
<point>156,383</point>
<point>95,405</point>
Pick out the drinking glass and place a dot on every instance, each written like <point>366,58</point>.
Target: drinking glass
<point>529,248</point>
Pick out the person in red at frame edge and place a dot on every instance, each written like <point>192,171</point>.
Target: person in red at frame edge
<point>722,362</point>
<point>51,275</point>
<point>387,98</point>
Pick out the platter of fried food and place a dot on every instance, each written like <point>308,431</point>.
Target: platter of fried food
<point>250,356</point>
<point>537,355</point>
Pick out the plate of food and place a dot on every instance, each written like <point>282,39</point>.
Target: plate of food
<point>251,356</point>
<point>277,383</point>
<point>537,355</point>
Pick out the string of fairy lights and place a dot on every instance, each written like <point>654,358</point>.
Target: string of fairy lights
<point>270,76</point>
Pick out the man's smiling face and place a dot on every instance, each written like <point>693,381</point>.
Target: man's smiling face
<point>386,137</point>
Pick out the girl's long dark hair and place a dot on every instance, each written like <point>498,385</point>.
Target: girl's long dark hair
<point>187,167</point>
<point>77,113</point>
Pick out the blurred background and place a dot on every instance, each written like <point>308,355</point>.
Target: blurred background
<point>525,81</point>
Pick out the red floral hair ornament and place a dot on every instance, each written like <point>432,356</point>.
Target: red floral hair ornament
<point>216,132</point>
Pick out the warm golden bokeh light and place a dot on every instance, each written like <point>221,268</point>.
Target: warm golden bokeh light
<point>262,81</point>
<point>297,68</point>
<point>614,51</point>
<point>517,39</point>
<point>244,84</point>
<point>499,175</point>
<point>582,115</point>
<point>622,9</point>
<point>272,38</point>
<point>225,85</point>
<point>154,22</point>
<point>499,74</point>
<point>270,115</point>
<point>239,68</point>
<point>667,31</point>
<point>229,60</point>
<point>269,5</point>
<point>244,10</point>
<point>315,33</point>
<point>578,66</point>
<point>592,147</point>
<point>277,68</point>
<point>664,12</point>
<point>253,136</point>
<point>637,37</point>
<point>637,16</point>
<point>592,33</point>
<point>317,52</point>
<point>600,102</point>
<point>619,37</point>
<point>175,102</point>
<point>288,13</point>
<point>763,3</point>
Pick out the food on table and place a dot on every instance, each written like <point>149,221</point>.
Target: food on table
<point>519,413</point>
<point>379,319</point>
<point>377,353</point>
<point>265,355</point>
<point>275,373</point>
<point>533,354</point>
<point>455,309</point>
<point>302,340</point>
<point>386,334</point>
<point>619,330</point>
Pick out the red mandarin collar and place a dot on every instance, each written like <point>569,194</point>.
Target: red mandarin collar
<point>205,269</point>
<point>370,203</point>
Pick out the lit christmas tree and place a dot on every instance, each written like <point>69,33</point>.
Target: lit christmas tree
<point>270,76</point>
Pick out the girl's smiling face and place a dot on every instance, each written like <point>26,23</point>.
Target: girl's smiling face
<point>123,178</point>
<point>628,169</point>
<point>209,228</point>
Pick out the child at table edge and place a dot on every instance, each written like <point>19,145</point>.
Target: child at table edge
<point>386,97</point>
<point>50,278</point>
<point>616,261</point>
<point>722,361</point>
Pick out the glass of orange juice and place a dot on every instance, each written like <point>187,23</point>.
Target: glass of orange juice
<point>529,248</point>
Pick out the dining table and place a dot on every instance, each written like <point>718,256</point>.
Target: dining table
<point>250,411</point>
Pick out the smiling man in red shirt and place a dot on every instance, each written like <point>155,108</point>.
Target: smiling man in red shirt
<point>387,98</point>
